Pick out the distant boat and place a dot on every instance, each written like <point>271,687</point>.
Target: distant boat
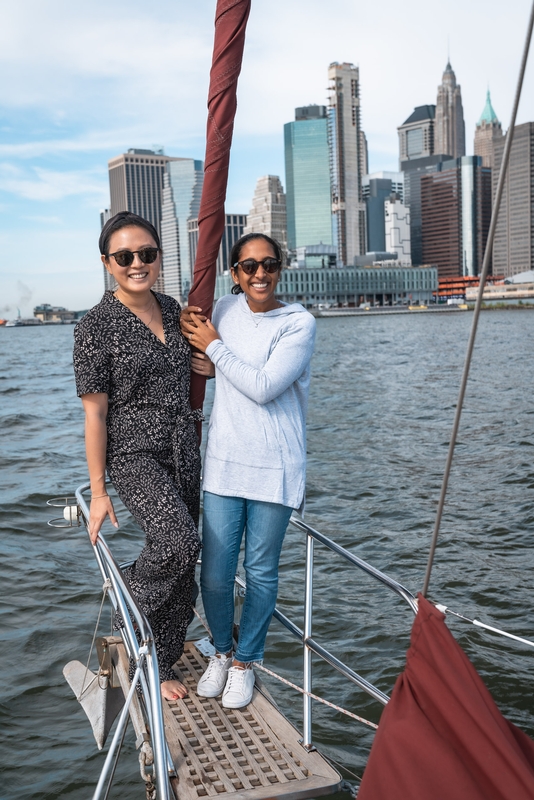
<point>22,323</point>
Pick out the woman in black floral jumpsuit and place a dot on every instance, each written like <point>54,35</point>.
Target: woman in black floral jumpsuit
<point>132,368</point>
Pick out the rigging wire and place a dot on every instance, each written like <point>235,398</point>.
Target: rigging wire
<point>478,305</point>
<point>479,624</point>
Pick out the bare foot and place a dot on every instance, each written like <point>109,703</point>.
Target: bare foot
<point>173,690</point>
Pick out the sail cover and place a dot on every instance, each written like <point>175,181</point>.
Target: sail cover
<point>441,735</point>
<point>230,24</point>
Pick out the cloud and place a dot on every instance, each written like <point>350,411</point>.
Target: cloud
<point>47,185</point>
<point>43,219</point>
<point>104,77</point>
<point>110,141</point>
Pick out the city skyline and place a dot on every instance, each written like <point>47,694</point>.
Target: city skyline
<point>59,127</point>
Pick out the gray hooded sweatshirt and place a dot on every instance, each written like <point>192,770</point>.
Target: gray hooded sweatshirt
<point>257,433</point>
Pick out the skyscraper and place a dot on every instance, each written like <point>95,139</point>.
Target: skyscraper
<point>417,157</point>
<point>488,130</point>
<point>136,183</point>
<point>309,199</point>
<point>416,135</point>
<point>348,161</point>
<point>513,248</point>
<point>449,126</point>
<point>397,230</point>
<point>268,213</point>
<point>376,189</point>
<point>233,230</point>
<point>456,212</point>
<point>182,188</point>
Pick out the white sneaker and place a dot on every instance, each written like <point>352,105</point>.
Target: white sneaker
<point>213,681</point>
<point>239,688</point>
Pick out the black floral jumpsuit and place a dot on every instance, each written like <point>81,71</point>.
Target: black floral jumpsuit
<point>153,457</point>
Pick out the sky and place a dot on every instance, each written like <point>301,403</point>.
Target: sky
<point>83,82</point>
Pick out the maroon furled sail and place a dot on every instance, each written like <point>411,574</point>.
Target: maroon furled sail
<point>441,735</point>
<point>230,23</point>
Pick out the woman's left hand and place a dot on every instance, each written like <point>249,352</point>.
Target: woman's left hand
<point>199,333</point>
<point>201,364</point>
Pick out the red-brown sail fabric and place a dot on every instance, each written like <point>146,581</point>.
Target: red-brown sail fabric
<point>441,736</point>
<point>230,23</point>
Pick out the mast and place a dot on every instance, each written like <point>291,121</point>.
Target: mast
<point>230,24</point>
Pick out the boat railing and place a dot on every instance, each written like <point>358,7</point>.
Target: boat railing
<point>310,645</point>
<point>139,644</point>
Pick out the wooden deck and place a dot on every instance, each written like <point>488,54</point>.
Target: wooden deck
<point>245,754</point>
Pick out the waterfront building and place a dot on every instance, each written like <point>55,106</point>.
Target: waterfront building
<point>375,259</point>
<point>513,248</point>
<point>182,188</point>
<point>308,195</point>
<point>449,124</point>
<point>460,289</point>
<point>416,134</point>
<point>456,213</point>
<point>350,286</point>
<point>488,130</point>
<point>397,229</point>
<point>348,161</point>
<point>56,314</point>
<point>233,230</point>
<point>268,213</point>
<point>518,289</point>
<point>376,189</point>
<point>316,255</point>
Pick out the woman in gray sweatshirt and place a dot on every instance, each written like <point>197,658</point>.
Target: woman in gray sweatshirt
<point>255,465</point>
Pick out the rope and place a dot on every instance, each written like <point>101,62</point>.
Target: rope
<point>314,696</point>
<point>105,587</point>
<point>298,688</point>
<point>483,275</point>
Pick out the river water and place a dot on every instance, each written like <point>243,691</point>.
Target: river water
<point>381,408</point>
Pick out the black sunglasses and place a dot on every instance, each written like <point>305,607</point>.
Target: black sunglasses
<point>125,258</point>
<point>250,265</point>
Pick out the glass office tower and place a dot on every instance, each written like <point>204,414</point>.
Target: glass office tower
<point>309,203</point>
<point>182,188</point>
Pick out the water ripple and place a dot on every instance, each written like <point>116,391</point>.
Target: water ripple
<point>383,396</point>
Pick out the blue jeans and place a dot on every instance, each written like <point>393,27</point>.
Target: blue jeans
<point>224,521</point>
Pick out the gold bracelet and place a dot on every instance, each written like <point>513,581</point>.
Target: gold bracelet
<point>98,496</point>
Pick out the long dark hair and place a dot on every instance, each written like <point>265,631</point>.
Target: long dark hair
<point>235,253</point>
<point>124,219</point>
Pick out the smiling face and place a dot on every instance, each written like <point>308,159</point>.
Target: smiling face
<point>259,288</point>
<point>138,278</point>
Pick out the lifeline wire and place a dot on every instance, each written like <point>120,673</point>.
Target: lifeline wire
<point>483,275</point>
<point>299,688</point>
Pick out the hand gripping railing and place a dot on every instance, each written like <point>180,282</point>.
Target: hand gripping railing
<point>310,645</point>
<point>141,649</point>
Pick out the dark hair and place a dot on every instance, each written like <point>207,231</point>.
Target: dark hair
<point>124,219</point>
<point>235,253</point>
